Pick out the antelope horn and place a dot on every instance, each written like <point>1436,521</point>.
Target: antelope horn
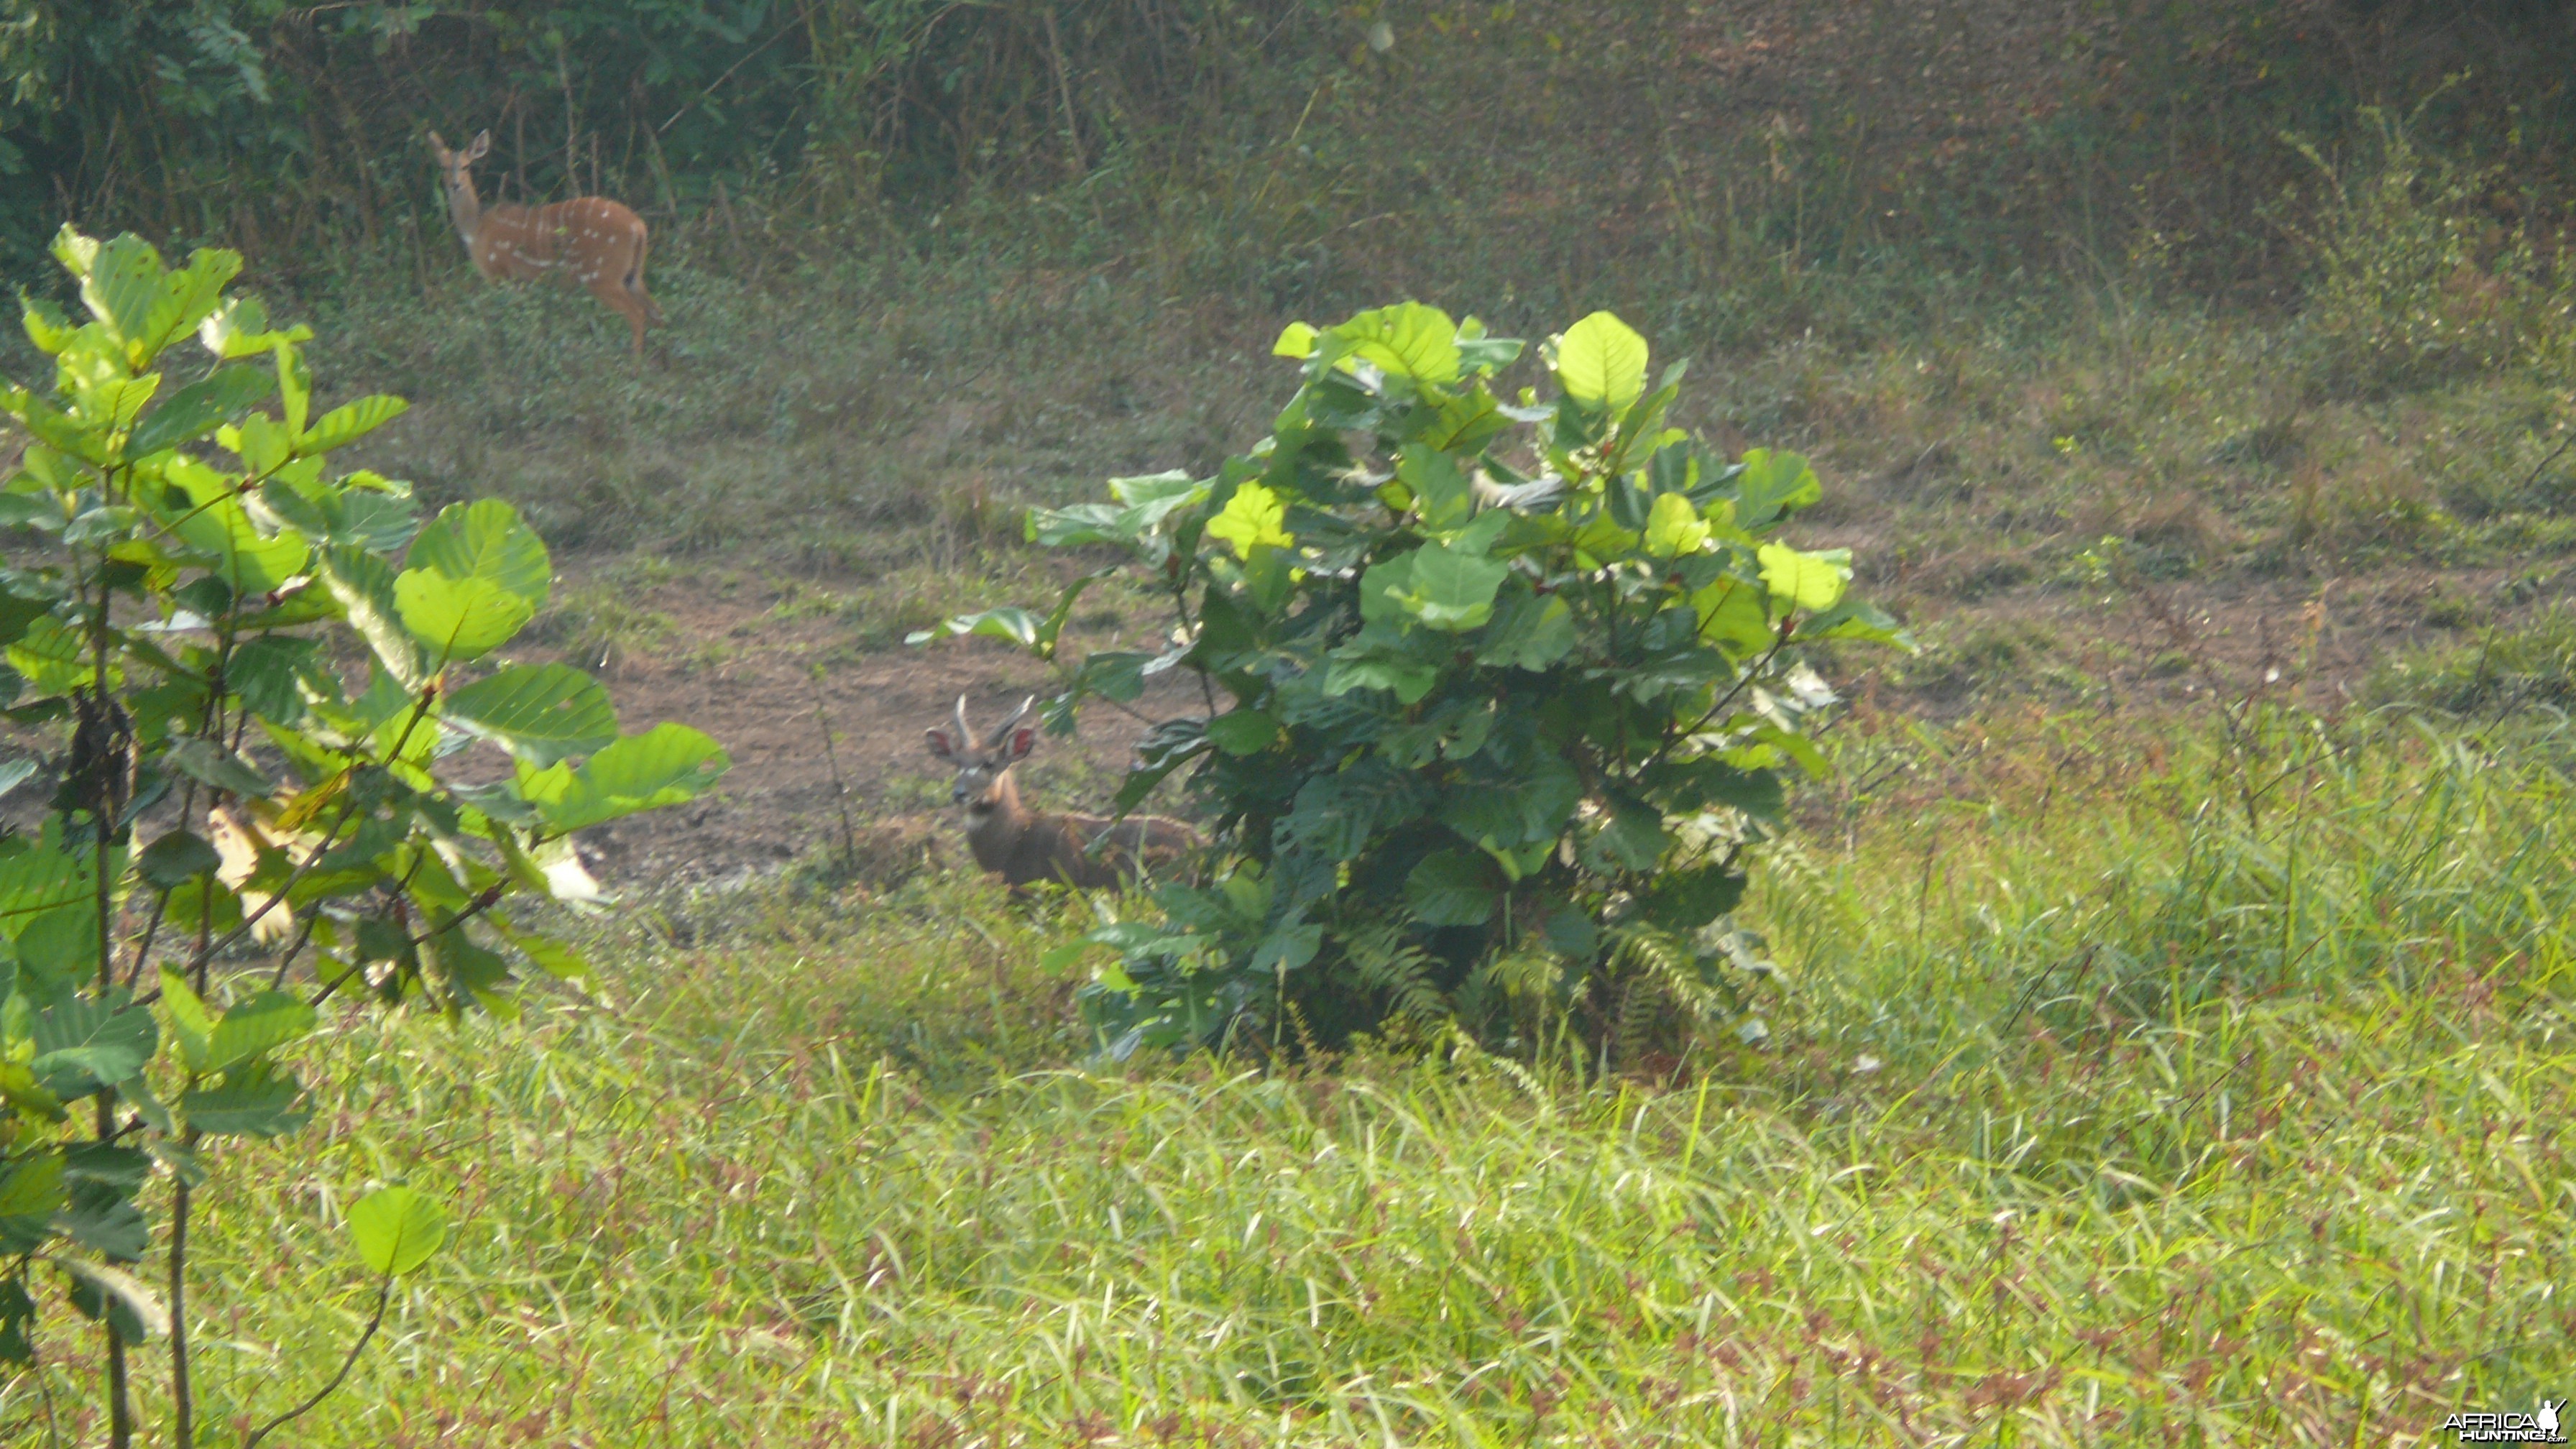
<point>965,731</point>
<point>1004,727</point>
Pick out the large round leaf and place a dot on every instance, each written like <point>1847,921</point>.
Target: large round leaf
<point>1674,528</point>
<point>199,408</point>
<point>266,1021</point>
<point>364,587</point>
<point>397,1229</point>
<point>1453,590</point>
<point>350,422</point>
<point>258,1099</point>
<point>1809,581</point>
<point>665,765</point>
<point>1408,339</point>
<point>542,714</point>
<point>250,561</point>
<point>1452,888</point>
<point>458,619</point>
<point>1251,518</point>
<point>1602,361</point>
<point>1771,484</point>
<point>485,540</point>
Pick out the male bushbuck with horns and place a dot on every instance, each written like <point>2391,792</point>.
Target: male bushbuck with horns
<point>591,239</point>
<point>1025,846</point>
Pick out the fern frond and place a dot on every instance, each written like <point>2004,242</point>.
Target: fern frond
<point>1387,963</point>
<point>1805,900</point>
<point>1524,975</point>
<point>1306,1042</point>
<point>1641,1000</point>
<point>1654,972</point>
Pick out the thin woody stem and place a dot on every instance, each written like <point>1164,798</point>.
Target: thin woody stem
<point>384,1296</point>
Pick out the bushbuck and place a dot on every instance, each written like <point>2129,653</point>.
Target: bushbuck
<point>1025,846</point>
<point>591,240</point>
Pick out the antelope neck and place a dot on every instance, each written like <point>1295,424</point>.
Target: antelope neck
<point>465,209</point>
<point>1001,802</point>
<point>995,822</point>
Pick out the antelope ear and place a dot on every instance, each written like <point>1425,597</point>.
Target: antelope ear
<point>1022,741</point>
<point>437,145</point>
<point>937,742</point>
<point>482,143</point>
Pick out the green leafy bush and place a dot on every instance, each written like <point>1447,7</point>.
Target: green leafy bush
<point>1499,694</point>
<point>263,668</point>
<point>2411,281</point>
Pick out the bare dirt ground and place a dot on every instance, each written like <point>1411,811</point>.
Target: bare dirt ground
<point>748,679</point>
<point>757,693</point>
<point>2149,647</point>
<point>734,667</point>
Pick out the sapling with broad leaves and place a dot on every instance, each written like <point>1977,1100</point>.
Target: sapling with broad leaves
<point>1497,698</point>
<point>260,669</point>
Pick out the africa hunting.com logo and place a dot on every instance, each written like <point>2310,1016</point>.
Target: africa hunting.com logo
<point>2538,1427</point>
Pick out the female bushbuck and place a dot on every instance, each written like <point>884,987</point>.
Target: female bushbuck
<point>591,239</point>
<point>1025,846</point>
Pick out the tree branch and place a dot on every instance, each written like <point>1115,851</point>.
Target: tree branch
<point>384,1296</point>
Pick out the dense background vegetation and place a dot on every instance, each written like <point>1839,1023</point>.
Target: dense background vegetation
<point>1266,135</point>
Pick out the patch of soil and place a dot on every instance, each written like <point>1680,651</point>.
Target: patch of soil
<point>756,692</point>
<point>876,804</point>
<point>879,802</point>
<point>2147,646</point>
<point>2313,641</point>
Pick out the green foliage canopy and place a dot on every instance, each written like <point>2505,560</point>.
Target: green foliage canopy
<point>1495,686</point>
<point>195,579</point>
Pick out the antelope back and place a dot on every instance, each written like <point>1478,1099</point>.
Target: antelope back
<point>585,239</point>
<point>1090,851</point>
<point>1057,848</point>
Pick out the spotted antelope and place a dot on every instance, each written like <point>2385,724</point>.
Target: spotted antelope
<point>592,240</point>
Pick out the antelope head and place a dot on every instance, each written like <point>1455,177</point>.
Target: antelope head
<point>455,176</point>
<point>983,762</point>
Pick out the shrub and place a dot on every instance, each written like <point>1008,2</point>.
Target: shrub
<point>2409,283</point>
<point>188,614</point>
<point>1498,695</point>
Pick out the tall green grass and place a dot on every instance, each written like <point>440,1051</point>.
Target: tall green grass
<point>2099,1109</point>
